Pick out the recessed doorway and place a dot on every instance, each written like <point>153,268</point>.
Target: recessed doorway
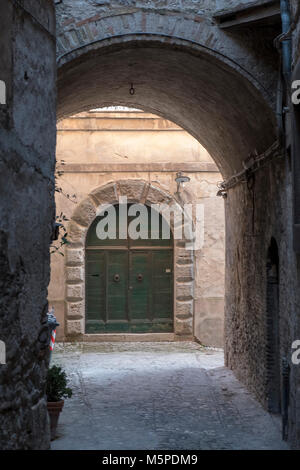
<point>129,283</point>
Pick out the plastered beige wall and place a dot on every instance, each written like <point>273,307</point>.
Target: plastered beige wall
<point>101,147</point>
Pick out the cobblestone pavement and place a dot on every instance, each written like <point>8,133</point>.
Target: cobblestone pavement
<point>170,396</point>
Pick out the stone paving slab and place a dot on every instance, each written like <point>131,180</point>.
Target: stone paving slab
<point>164,396</point>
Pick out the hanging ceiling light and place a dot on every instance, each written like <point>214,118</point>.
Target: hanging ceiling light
<point>132,90</point>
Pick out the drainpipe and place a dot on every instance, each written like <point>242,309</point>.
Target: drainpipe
<point>285,66</point>
<point>279,105</point>
<point>285,40</point>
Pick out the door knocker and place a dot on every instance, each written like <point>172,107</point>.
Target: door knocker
<point>117,277</point>
<point>140,277</point>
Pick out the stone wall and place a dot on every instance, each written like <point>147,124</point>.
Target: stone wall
<point>296,33</point>
<point>267,213</point>
<point>76,8</point>
<point>295,418</point>
<point>27,155</point>
<point>195,60</point>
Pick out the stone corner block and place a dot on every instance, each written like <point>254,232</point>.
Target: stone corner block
<point>107,194</point>
<point>75,291</point>
<point>75,310</point>
<point>76,234</point>
<point>184,292</point>
<point>75,327</point>
<point>184,327</point>
<point>85,213</point>
<point>184,310</point>
<point>185,273</point>
<point>184,256</point>
<point>74,274</point>
<point>157,196</point>
<point>74,257</point>
<point>132,189</point>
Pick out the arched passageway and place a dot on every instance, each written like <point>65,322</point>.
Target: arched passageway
<point>184,61</point>
<point>228,108</point>
<point>202,93</point>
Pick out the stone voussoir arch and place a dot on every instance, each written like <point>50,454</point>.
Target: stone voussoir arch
<point>136,191</point>
<point>183,67</point>
<point>195,32</point>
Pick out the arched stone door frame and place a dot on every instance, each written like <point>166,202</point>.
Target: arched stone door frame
<point>136,191</point>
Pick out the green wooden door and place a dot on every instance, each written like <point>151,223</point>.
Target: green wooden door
<point>116,291</point>
<point>95,291</point>
<point>129,283</point>
<point>129,291</point>
<point>162,290</point>
<point>140,291</point>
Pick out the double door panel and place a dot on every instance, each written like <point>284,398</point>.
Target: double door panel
<point>129,291</point>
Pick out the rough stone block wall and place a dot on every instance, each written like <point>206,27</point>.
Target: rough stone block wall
<point>295,424</point>
<point>296,34</point>
<point>76,8</point>
<point>27,154</point>
<point>266,213</point>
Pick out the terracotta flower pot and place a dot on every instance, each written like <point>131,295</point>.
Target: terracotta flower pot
<point>54,409</point>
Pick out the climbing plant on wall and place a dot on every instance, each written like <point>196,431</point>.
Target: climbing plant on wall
<point>61,237</point>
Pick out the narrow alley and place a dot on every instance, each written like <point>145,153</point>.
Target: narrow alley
<point>173,396</point>
<point>149,204</point>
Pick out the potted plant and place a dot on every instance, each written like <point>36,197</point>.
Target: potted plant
<point>56,391</point>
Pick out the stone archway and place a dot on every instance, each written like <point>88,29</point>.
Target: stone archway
<point>183,68</point>
<point>136,191</point>
<point>219,87</point>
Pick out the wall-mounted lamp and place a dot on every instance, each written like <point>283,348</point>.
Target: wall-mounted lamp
<point>181,180</point>
<point>222,190</point>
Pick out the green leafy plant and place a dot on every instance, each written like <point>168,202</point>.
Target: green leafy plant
<point>61,219</point>
<point>57,385</point>
<point>63,240</point>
